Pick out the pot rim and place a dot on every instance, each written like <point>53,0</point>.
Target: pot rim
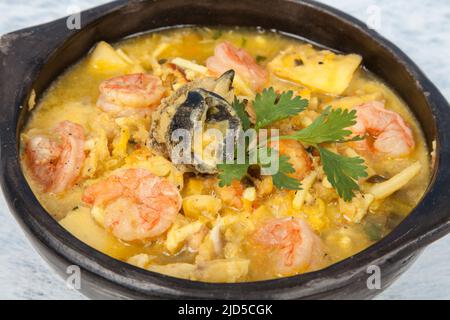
<point>404,238</point>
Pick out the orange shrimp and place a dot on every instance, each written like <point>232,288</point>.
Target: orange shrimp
<point>296,248</point>
<point>227,56</point>
<point>130,94</point>
<point>298,157</point>
<point>388,132</point>
<point>56,163</point>
<point>137,204</point>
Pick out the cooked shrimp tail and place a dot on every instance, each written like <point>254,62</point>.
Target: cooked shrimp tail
<point>296,248</point>
<point>56,163</point>
<point>389,132</point>
<point>137,205</point>
<point>227,56</point>
<point>130,94</point>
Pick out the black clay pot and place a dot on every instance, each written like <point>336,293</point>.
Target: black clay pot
<point>33,57</point>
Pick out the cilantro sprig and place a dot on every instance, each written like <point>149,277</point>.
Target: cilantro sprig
<point>281,179</point>
<point>230,172</point>
<point>270,107</point>
<point>342,172</point>
<point>239,107</point>
<point>330,127</point>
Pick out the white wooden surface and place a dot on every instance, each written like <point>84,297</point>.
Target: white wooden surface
<point>420,27</point>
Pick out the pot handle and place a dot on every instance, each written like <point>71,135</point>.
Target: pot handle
<point>23,53</point>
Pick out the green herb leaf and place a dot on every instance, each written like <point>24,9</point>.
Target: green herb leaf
<point>281,179</point>
<point>330,126</point>
<point>229,172</point>
<point>343,172</point>
<point>269,107</point>
<point>239,107</point>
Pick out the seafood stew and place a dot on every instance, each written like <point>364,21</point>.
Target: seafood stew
<point>99,155</point>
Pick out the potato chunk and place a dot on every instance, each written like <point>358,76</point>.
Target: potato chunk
<point>194,186</point>
<point>322,70</point>
<point>223,270</point>
<point>81,224</point>
<point>197,206</point>
<point>177,235</point>
<point>140,260</point>
<point>106,59</point>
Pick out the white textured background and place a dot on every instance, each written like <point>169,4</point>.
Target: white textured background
<point>420,27</point>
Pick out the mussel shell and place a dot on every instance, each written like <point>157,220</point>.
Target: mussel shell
<point>195,104</point>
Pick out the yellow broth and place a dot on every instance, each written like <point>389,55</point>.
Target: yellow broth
<point>73,97</point>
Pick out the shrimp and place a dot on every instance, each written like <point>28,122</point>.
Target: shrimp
<point>295,247</point>
<point>130,94</point>
<point>137,205</point>
<point>56,163</point>
<point>227,56</point>
<point>388,132</point>
<point>298,157</point>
